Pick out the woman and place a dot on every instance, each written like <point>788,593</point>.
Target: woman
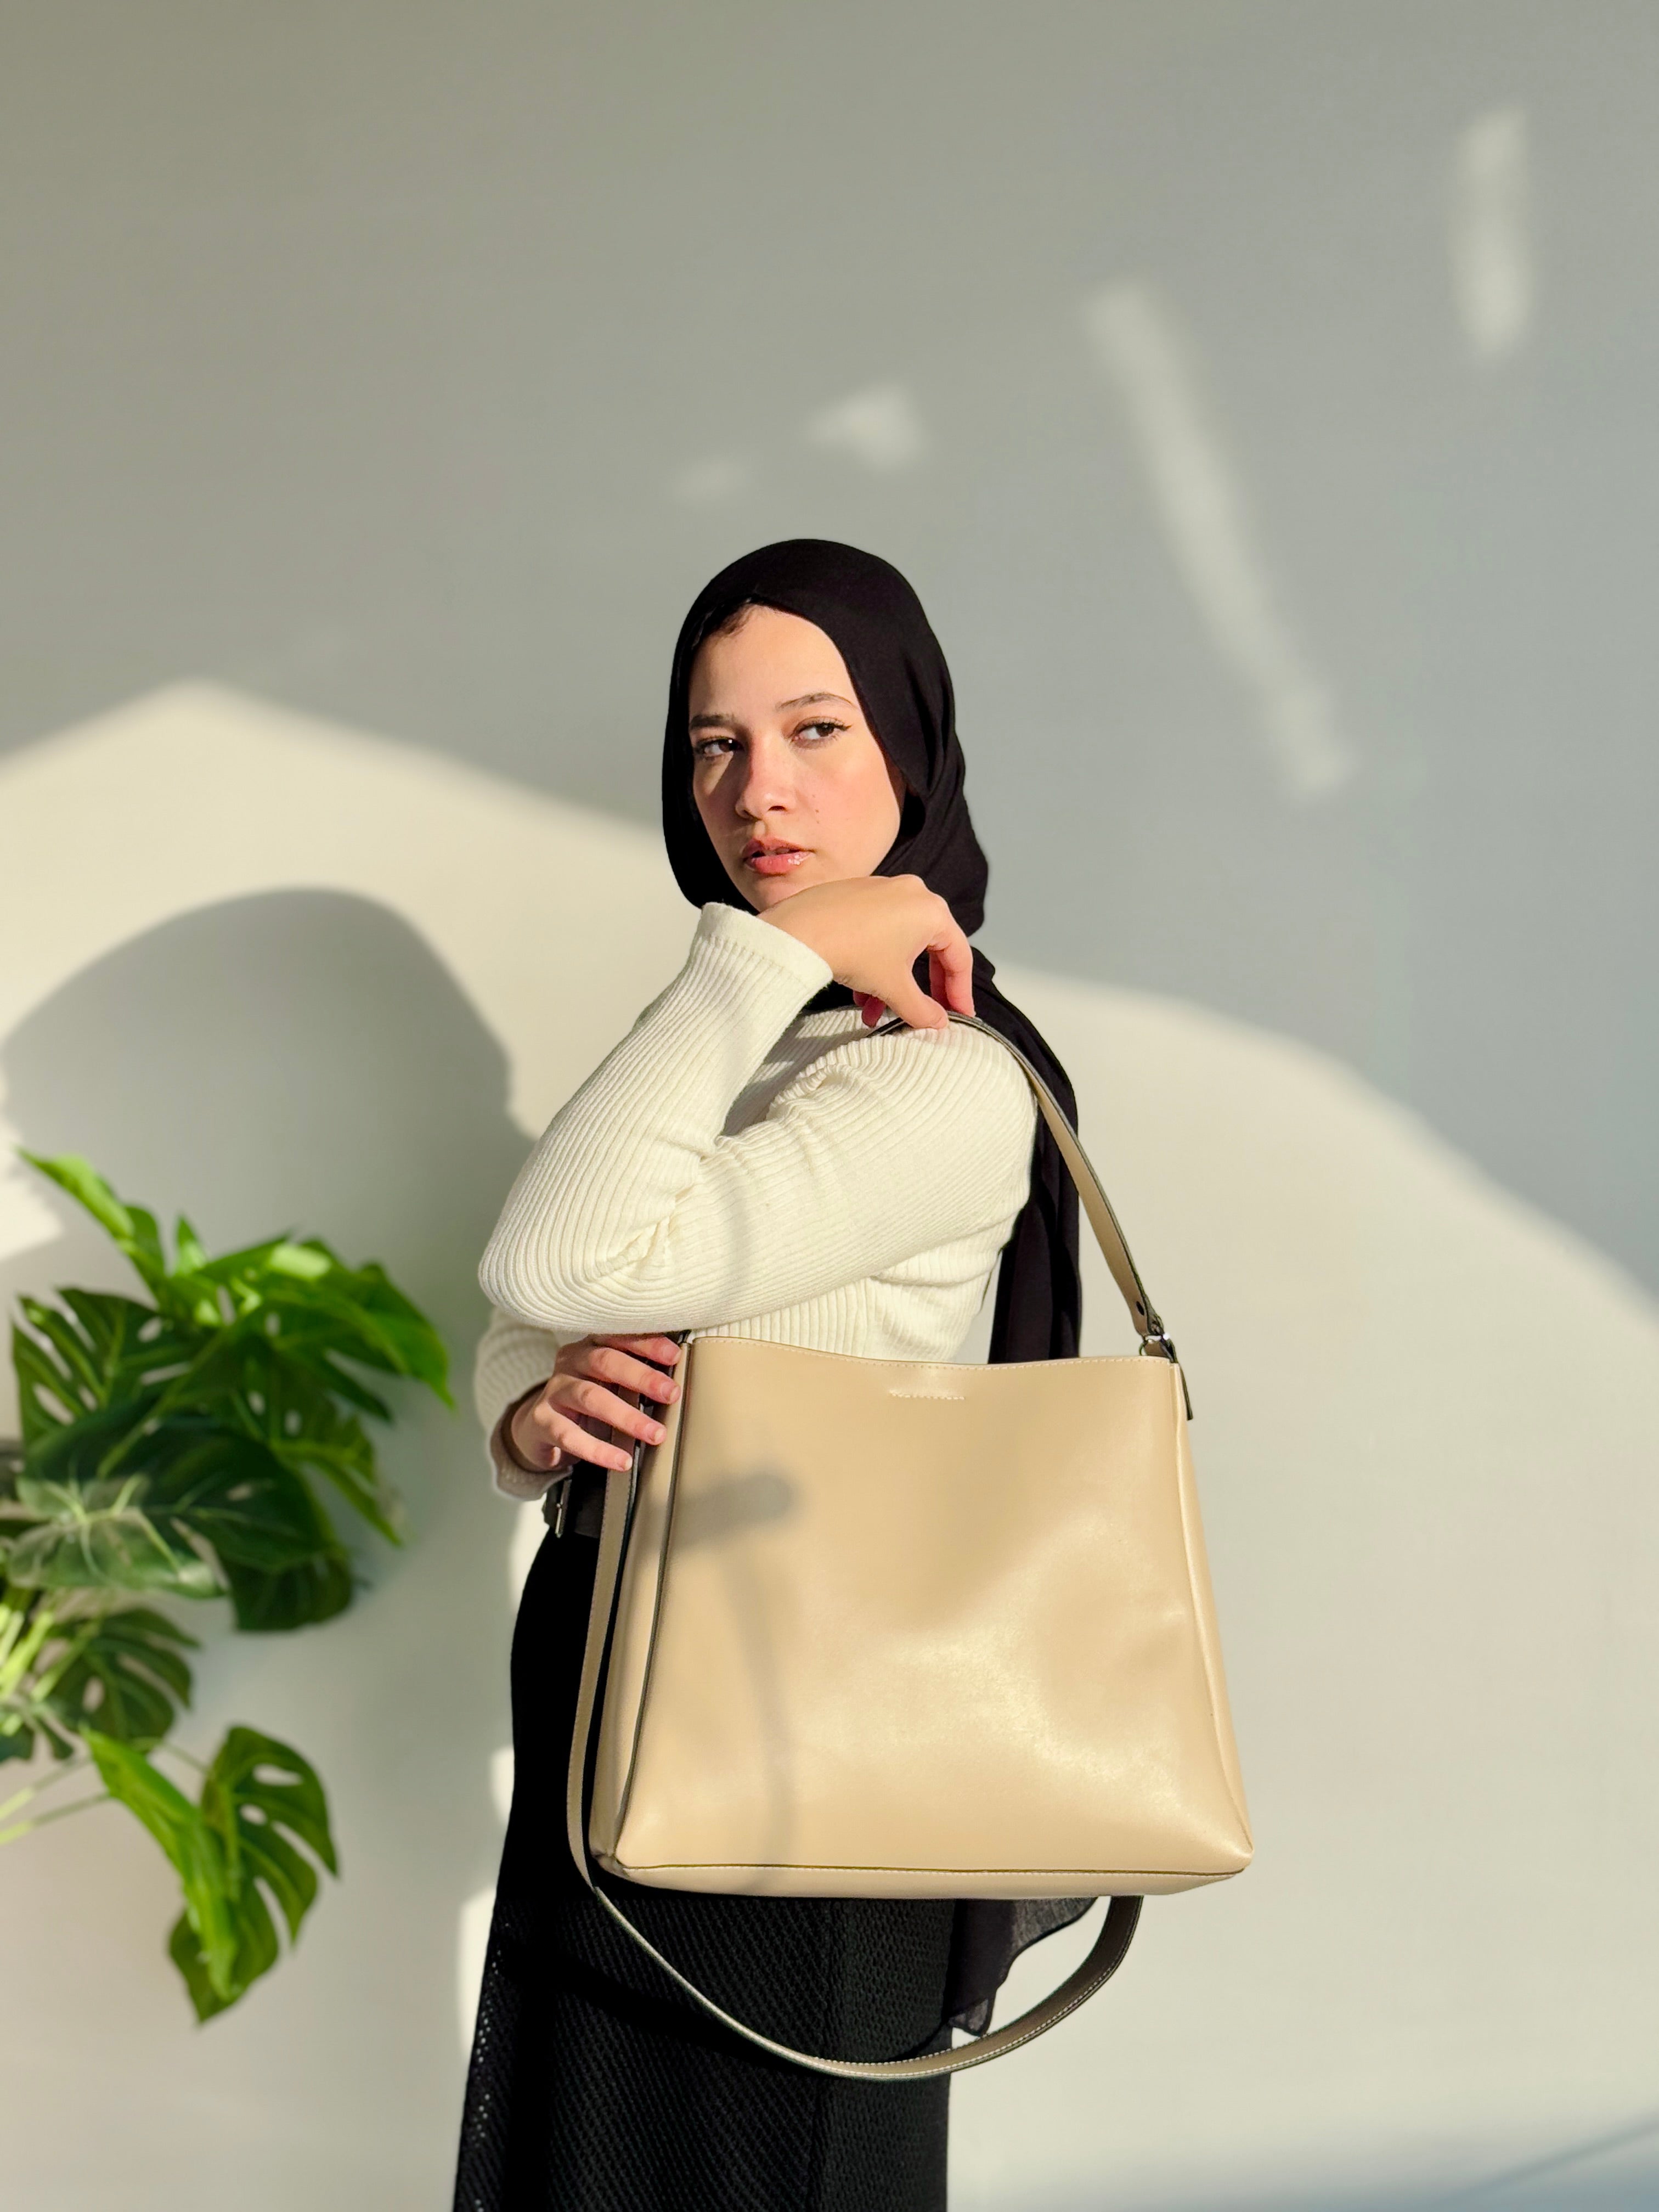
<point>748,1162</point>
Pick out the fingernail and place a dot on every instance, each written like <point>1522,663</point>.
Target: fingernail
<point>673,1392</point>
<point>656,1432</point>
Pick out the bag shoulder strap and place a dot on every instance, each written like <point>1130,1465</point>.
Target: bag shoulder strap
<point>1104,1961</point>
<point>1091,1194</point>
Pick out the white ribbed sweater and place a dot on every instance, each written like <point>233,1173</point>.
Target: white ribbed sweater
<point>724,1168</point>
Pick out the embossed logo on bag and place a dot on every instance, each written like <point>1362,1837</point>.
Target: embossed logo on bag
<point>929,1383</point>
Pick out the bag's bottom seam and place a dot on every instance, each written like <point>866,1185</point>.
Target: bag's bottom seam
<point>795,1866</point>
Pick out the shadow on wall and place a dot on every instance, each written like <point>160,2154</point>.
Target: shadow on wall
<point>302,1059</point>
<point>1557,2184</point>
<point>1615,2172</point>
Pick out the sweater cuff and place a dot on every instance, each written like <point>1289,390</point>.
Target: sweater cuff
<point>512,1478</point>
<point>735,931</point>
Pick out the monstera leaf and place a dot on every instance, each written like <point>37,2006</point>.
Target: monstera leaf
<point>234,1494</point>
<point>235,1853</point>
<point>295,1597</point>
<point>98,1356</point>
<point>330,1311</point>
<point>62,1670</point>
<point>289,1407</point>
<point>132,1231</point>
<point>124,1673</point>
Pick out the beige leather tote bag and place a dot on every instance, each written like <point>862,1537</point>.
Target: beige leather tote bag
<point>900,1628</point>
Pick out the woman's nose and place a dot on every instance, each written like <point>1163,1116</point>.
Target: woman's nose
<point>765,785</point>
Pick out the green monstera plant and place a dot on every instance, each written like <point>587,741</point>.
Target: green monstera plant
<point>179,1446</point>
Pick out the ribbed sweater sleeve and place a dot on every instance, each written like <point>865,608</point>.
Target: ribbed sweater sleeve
<point>637,1210</point>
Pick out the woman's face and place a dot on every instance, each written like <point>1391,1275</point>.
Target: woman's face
<point>791,786</point>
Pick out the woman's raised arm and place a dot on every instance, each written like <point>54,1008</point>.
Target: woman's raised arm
<point>637,1211</point>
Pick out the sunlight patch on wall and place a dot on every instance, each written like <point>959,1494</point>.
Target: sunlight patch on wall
<point>1201,509</point>
<point>1494,283</point>
<point>712,481</point>
<point>471,1944</point>
<point>878,426</point>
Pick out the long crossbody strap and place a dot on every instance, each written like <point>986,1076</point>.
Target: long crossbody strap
<point>1103,1962</point>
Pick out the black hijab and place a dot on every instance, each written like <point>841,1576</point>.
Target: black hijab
<point>898,671</point>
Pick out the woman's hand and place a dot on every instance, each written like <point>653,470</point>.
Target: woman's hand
<point>562,1425</point>
<point>872,930</point>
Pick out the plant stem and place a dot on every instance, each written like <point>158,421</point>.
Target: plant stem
<point>59,1774</point>
<point>58,1813</point>
<point>21,1654</point>
<point>47,1681</point>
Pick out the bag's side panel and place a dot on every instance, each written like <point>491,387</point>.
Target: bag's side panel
<point>637,1598</point>
<point>1198,1566</point>
<point>928,1630</point>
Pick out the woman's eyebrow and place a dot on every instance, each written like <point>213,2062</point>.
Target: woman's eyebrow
<point>730,721</point>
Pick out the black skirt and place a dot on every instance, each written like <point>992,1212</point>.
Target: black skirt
<point>595,2087</point>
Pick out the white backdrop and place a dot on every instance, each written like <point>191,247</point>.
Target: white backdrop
<point>272,970</point>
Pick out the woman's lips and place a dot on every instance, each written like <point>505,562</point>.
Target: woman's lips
<point>776,864</point>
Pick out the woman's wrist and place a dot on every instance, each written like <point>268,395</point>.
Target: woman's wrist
<point>506,1432</point>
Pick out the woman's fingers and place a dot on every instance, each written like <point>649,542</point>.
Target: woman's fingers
<point>577,1395</point>
<point>949,964</point>
<point>559,1428</point>
<point>912,1004</point>
<point>950,967</point>
<point>614,1359</point>
<point>581,1414</point>
<point>575,1441</point>
<point>662,1349</point>
<point>872,930</point>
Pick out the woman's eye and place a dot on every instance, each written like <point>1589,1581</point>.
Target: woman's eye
<point>711,747</point>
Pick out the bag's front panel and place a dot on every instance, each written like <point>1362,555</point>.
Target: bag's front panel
<point>934,1631</point>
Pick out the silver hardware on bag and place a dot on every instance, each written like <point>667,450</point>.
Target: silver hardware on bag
<point>556,1504</point>
<point>1158,1344</point>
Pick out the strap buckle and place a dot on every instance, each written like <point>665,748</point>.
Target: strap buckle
<point>555,1505</point>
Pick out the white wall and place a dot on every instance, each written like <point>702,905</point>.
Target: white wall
<point>1260,397</point>
<point>269,970</point>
